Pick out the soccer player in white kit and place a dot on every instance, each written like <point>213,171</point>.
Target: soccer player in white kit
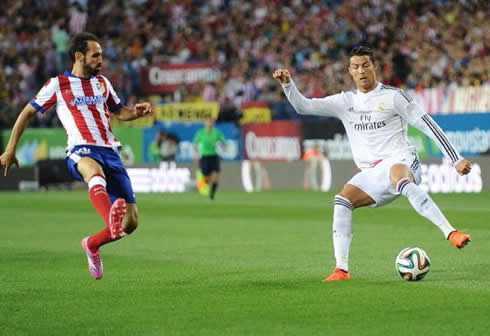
<point>375,118</point>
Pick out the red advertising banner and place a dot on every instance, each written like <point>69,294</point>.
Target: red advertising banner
<point>162,78</point>
<point>274,141</point>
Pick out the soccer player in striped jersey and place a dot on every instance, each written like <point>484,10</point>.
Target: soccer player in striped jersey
<point>84,102</point>
<point>375,118</point>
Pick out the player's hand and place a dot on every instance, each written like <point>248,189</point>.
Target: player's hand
<point>463,167</point>
<point>282,75</point>
<point>6,160</point>
<point>143,109</point>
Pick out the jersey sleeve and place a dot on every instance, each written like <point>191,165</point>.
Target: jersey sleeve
<point>113,101</point>
<point>406,107</point>
<point>46,97</point>
<point>328,106</point>
<point>416,116</point>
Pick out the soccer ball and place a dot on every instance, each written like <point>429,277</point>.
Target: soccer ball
<point>412,263</point>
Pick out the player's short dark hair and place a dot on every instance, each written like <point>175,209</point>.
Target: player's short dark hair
<point>362,51</point>
<point>79,43</point>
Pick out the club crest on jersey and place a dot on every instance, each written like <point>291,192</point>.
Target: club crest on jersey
<point>381,106</point>
<point>87,100</point>
<point>100,87</point>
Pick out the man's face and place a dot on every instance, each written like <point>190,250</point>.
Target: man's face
<point>208,122</point>
<point>363,72</point>
<point>92,60</point>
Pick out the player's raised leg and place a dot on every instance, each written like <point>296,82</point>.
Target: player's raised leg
<point>344,203</point>
<point>112,214</point>
<point>402,179</point>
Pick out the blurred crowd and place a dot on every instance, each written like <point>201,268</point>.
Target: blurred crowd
<point>418,44</point>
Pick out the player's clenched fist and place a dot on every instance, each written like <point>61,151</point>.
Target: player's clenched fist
<point>463,167</point>
<point>142,109</point>
<point>282,75</point>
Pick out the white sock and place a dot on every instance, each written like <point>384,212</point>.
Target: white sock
<point>424,205</point>
<point>342,231</point>
<point>96,179</point>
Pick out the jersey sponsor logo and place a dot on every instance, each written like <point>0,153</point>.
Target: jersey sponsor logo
<point>369,126</point>
<point>366,124</point>
<point>83,151</point>
<point>87,100</point>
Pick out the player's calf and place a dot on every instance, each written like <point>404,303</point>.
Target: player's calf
<point>130,222</point>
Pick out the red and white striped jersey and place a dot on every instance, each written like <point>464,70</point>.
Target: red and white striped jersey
<point>83,106</point>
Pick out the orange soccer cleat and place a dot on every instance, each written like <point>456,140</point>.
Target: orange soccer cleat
<point>337,274</point>
<point>459,239</point>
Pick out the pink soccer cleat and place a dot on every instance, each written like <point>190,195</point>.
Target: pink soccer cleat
<point>95,266</point>
<point>116,215</point>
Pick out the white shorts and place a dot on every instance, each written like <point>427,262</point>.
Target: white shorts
<point>376,181</point>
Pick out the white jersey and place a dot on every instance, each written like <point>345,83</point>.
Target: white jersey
<point>83,106</point>
<point>375,122</point>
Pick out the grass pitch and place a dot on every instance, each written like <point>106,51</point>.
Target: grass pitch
<point>245,264</point>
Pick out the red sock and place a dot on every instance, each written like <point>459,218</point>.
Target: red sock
<point>98,239</point>
<point>100,199</point>
<point>102,204</point>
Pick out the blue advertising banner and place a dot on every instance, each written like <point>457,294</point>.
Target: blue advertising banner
<point>469,133</point>
<point>182,134</point>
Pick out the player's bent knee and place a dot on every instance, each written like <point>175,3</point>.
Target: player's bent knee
<point>398,172</point>
<point>355,196</point>
<point>344,196</point>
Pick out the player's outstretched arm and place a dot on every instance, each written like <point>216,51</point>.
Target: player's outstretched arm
<point>8,158</point>
<point>427,125</point>
<point>414,113</point>
<point>138,111</point>
<point>328,106</point>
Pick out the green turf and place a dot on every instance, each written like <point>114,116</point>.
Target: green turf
<point>246,264</point>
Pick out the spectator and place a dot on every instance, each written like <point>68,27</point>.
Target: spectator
<point>434,43</point>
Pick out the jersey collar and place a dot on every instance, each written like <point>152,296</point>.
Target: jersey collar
<point>377,88</point>
<point>69,73</point>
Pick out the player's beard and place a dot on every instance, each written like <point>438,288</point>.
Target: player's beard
<point>91,71</point>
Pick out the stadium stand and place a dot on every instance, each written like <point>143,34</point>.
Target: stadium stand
<point>420,44</point>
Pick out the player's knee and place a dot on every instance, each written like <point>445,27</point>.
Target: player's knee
<point>345,196</point>
<point>355,196</point>
<point>131,222</point>
<point>398,172</point>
